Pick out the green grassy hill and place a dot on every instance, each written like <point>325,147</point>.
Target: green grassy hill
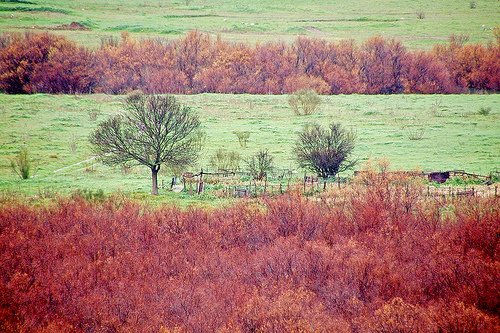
<point>259,20</point>
<point>55,129</point>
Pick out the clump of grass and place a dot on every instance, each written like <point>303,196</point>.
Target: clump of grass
<point>243,137</point>
<point>90,195</point>
<point>19,1</point>
<point>223,160</point>
<point>416,133</point>
<point>420,15</point>
<point>94,114</point>
<point>109,41</point>
<point>34,9</point>
<point>21,164</point>
<point>304,102</point>
<point>484,110</point>
<point>472,4</point>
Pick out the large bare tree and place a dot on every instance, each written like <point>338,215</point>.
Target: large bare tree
<point>325,151</point>
<point>153,130</point>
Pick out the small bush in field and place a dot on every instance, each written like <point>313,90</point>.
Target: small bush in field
<point>484,110</point>
<point>73,146</point>
<point>496,33</point>
<point>224,160</point>
<point>304,102</point>
<point>91,195</point>
<point>21,164</point>
<point>243,137</point>
<point>415,133</point>
<point>260,165</point>
<point>94,114</point>
<point>472,4</point>
<point>420,15</point>
<point>109,41</point>
<point>5,40</point>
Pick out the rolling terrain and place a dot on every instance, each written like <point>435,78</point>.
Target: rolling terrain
<point>425,132</point>
<point>419,24</point>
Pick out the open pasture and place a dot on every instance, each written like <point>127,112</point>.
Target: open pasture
<point>419,24</point>
<point>426,132</point>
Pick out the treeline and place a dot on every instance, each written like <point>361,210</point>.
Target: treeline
<point>196,63</point>
<point>381,258</point>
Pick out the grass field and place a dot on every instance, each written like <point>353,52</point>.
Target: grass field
<point>55,129</point>
<point>259,20</point>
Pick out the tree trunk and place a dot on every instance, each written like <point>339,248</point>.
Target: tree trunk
<point>154,177</point>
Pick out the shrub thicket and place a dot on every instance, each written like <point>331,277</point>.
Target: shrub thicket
<point>197,63</point>
<point>382,258</point>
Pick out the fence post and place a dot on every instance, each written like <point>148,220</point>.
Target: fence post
<point>305,178</point>
<point>200,184</point>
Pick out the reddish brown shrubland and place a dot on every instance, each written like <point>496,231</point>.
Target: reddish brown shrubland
<point>378,258</point>
<point>198,63</point>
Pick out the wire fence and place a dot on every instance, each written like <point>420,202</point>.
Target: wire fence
<point>240,184</point>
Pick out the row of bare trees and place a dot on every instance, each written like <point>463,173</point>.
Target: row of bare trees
<point>156,130</point>
<point>198,63</point>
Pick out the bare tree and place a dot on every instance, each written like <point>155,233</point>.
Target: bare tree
<point>153,130</point>
<point>325,151</point>
<point>260,165</point>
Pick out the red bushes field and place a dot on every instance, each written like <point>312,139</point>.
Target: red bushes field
<point>379,258</point>
<point>197,63</point>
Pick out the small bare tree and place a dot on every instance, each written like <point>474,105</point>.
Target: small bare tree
<point>325,151</point>
<point>154,130</point>
<point>243,137</point>
<point>260,165</point>
<point>304,102</point>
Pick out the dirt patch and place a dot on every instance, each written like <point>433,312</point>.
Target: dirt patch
<point>313,30</point>
<point>72,26</point>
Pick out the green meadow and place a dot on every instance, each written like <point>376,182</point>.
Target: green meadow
<point>425,132</point>
<point>258,20</point>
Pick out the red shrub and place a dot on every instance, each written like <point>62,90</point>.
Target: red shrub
<point>381,66</point>
<point>273,64</point>
<point>68,70</point>
<point>231,72</point>
<point>196,63</point>
<point>342,69</point>
<point>306,82</point>
<point>425,74</point>
<point>381,259</point>
<point>24,56</point>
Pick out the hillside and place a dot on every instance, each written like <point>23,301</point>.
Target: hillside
<point>55,128</point>
<point>419,24</point>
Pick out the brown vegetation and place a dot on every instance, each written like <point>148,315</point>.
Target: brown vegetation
<point>197,63</point>
<point>381,259</point>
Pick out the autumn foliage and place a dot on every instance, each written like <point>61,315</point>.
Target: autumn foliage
<point>198,63</point>
<point>380,257</point>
